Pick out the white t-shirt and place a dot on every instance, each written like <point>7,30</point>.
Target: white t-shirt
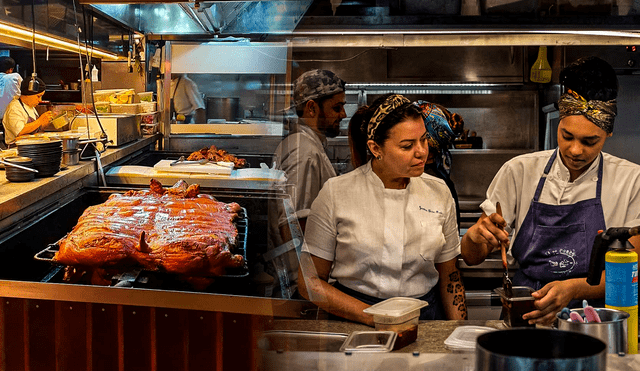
<point>15,118</point>
<point>383,242</point>
<point>187,97</point>
<point>9,89</point>
<point>301,155</point>
<point>515,185</point>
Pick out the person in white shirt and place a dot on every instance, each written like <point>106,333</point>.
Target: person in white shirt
<point>187,100</point>
<point>556,201</point>
<point>319,99</point>
<point>9,84</point>
<point>21,117</point>
<point>385,229</point>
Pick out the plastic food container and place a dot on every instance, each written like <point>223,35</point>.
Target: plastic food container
<point>146,96</point>
<point>369,341</point>
<point>513,308</point>
<point>463,338</point>
<point>102,95</point>
<point>103,107</point>
<point>133,108</point>
<point>399,315</point>
<point>147,107</point>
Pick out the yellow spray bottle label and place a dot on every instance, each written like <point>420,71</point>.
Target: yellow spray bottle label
<point>621,289</point>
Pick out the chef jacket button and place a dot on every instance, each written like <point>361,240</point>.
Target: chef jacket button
<point>595,178</point>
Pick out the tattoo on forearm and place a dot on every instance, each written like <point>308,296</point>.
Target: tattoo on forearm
<point>455,287</point>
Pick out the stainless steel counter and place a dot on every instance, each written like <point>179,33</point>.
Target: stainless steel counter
<point>426,353</point>
<point>17,198</point>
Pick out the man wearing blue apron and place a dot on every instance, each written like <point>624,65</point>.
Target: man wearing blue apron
<point>556,201</point>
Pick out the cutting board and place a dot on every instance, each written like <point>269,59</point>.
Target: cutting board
<point>208,168</point>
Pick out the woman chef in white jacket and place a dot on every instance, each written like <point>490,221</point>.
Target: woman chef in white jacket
<point>558,200</point>
<point>385,229</point>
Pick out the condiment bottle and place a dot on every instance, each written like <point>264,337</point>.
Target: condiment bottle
<point>94,74</point>
<point>541,70</point>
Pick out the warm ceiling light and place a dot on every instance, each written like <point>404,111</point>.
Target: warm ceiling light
<point>17,33</point>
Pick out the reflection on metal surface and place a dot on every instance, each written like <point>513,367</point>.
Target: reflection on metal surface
<point>11,31</point>
<point>211,17</point>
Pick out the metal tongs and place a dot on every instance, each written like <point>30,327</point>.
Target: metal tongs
<point>181,160</point>
<point>507,286</point>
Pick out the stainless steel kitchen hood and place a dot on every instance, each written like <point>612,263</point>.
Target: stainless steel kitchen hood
<point>207,17</point>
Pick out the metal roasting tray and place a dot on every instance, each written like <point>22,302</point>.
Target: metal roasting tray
<point>242,223</point>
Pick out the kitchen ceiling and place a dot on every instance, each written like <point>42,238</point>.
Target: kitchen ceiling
<point>392,23</point>
<point>211,18</point>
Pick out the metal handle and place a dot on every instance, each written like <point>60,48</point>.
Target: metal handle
<point>18,166</point>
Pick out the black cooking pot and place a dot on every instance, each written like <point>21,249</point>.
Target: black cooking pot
<point>539,349</point>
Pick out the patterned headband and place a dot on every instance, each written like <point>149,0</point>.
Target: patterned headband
<point>391,103</point>
<point>602,114</point>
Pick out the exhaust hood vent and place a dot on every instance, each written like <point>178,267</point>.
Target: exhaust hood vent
<point>210,17</point>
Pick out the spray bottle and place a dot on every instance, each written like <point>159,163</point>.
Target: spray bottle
<point>610,252</point>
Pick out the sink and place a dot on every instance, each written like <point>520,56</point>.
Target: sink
<point>301,341</point>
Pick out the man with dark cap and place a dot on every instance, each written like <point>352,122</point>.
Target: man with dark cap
<point>9,84</point>
<point>556,201</point>
<point>21,117</point>
<point>319,100</point>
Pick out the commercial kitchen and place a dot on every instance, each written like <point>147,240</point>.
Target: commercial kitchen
<point>472,56</point>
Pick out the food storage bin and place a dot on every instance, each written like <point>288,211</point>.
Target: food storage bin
<point>133,108</point>
<point>517,305</point>
<point>399,315</point>
<point>146,96</point>
<point>147,107</point>
<point>103,107</point>
<point>101,95</point>
<point>463,338</point>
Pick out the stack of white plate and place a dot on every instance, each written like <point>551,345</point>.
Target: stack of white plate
<point>46,154</point>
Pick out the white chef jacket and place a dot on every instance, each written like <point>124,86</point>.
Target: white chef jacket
<point>515,185</point>
<point>383,242</point>
<point>9,88</point>
<point>301,155</point>
<point>187,98</point>
<point>15,118</point>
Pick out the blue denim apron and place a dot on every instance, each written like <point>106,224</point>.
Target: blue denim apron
<point>555,241</point>
<point>433,311</point>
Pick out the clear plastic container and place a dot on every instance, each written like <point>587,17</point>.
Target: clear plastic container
<point>463,338</point>
<point>103,107</point>
<point>147,107</point>
<point>399,315</point>
<point>146,96</point>
<point>133,108</point>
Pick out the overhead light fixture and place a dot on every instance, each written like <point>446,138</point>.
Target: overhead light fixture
<point>12,31</point>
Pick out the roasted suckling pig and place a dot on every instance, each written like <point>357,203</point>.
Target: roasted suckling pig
<point>214,154</point>
<point>174,230</point>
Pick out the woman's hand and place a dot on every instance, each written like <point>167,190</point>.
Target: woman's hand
<point>484,237</point>
<point>44,119</point>
<point>550,300</point>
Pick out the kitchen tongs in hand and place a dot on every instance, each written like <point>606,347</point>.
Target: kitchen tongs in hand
<point>506,281</point>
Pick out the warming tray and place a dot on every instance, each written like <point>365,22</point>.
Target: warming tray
<point>242,223</point>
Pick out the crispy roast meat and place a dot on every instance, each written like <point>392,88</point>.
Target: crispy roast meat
<point>214,154</point>
<point>174,230</point>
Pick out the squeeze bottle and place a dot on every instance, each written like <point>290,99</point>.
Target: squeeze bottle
<point>94,74</point>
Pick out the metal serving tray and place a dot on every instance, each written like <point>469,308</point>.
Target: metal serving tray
<point>242,223</point>
<point>301,341</point>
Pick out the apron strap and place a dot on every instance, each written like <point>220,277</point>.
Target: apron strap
<point>543,178</point>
